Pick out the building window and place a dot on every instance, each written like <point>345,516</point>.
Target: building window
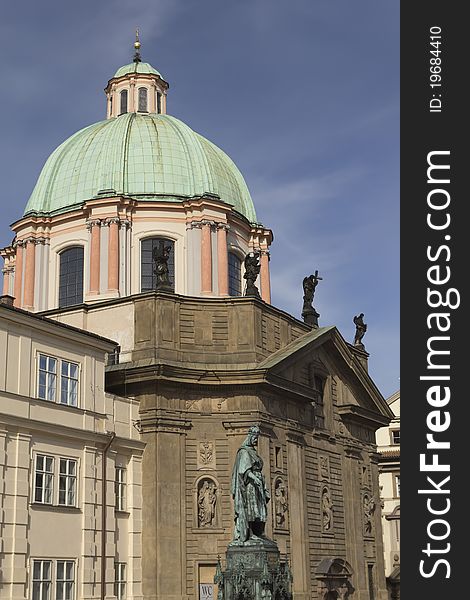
<point>42,579</point>
<point>123,97</point>
<point>71,276</point>
<point>234,275</point>
<point>69,383</point>
<point>43,479</point>
<point>120,580</point>
<point>65,580</point>
<point>120,488</point>
<point>148,246</point>
<point>67,481</point>
<point>396,437</point>
<point>142,99</point>
<point>47,382</point>
<point>159,103</point>
<point>397,485</point>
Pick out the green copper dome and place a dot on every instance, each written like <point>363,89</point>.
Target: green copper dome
<point>146,156</point>
<point>136,67</point>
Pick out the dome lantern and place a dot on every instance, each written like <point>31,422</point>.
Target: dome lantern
<point>136,88</point>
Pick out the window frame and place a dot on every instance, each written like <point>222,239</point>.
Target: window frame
<point>44,473</point>
<point>392,437</point>
<point>139,90</point>
<point>64,581</point>
<point>69,379</point>
<point>229,274</point>
<point>121,95</point>
<point>171,261</point>
<point>77,298</point>
<point>120,580</point>
<point>120,488</point>
<point>52,579</point>
<point>70,482</point>
<point>41,580</point>
<point>58,379</point>
<point>48,375</point>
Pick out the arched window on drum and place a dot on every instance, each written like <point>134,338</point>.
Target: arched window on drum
<point>71,276</point>
<point>123,98</point>
<point>142,104</point>
<point>147,275</point>
<point>234,275</point>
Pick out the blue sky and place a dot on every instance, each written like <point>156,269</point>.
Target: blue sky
<point>302,94</point>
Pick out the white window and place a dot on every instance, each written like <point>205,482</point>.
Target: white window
<point>43,479</point>
<point>47,382</point>
<point>395,437</point>
<point>65,580</point>
<point>50,372</point>
<point>397,484</point>
<point>67,481</point>
<point>69,383</point>
<point>120,488</point>
<point>120,580</point>
<point>42,579</point>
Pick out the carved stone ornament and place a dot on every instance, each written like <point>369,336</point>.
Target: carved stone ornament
<point>326,511</point>
<point>369,510</point>
<point>206,502</point>
<point>280,504</point>
<point>206,453</point>
<point>324,467</point>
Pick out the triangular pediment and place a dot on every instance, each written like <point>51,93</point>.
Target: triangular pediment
<point>323,353</point>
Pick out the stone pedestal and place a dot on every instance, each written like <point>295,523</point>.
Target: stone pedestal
<point>254,571</point>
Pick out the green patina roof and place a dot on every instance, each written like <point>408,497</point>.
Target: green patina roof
<point>136,67</point>
<point>140,155</point>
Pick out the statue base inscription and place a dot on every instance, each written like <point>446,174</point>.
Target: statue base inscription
<point>254,571</point>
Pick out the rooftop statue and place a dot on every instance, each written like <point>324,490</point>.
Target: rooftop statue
<point>309,314</point>
<point>161,255</point>
<point>249,491</point>
<point>252,269</point>
<point>361,329</point>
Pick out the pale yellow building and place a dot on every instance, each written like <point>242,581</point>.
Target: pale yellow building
<point>388,445</point>
<point>59,434</point>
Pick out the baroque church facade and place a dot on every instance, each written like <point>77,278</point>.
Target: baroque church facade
<point>188,371</point>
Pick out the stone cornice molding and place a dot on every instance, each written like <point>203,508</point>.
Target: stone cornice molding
<point>151,421</point>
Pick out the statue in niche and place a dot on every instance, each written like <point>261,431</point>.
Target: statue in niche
<point>160,256</point>
<point>252,269</point>
<point>327,510</point>
<point>369,509</point>
<point>309,314</point>
<point>280,503</point>
<point>249,492</point>
<point>361,329</point>
<point>206,501</point>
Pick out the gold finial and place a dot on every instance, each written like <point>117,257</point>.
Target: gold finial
<point>137,45</point>
<point>137,41</point>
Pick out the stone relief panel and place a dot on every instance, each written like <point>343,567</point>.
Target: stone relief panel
<point>207,505</point>
<point>368,511</point>
<point>280,504</point>
<point>326,510</point>
<point>323,467</point>
<point>206,454</point>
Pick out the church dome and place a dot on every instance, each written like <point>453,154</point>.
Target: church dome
<point>136,67</point>
<point>146,156</point>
